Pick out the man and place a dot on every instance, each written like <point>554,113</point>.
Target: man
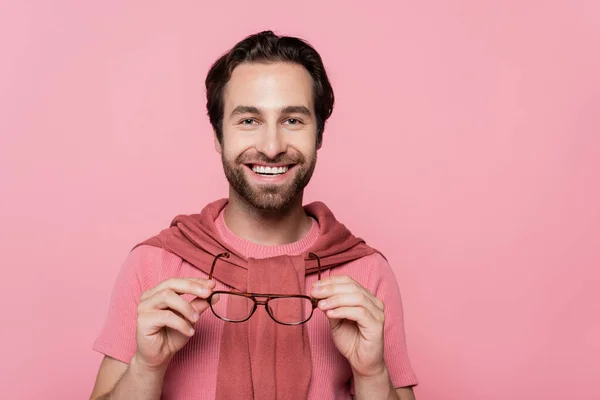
<point>325,334</point>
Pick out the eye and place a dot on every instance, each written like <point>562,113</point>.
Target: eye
<point>293,121</point>
<point>247,121</point>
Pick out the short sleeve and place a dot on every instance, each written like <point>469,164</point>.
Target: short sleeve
<point>117,339</point>
<point>382,282</point>
<point>384,285</point>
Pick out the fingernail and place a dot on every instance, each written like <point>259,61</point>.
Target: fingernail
<point>322,304</point>
<point>318,289</point>
<point>191,331</point>
<point>196,316</point>
<point>317,283</point>
<point>202,291</point>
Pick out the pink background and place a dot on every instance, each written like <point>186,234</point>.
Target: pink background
<point>465,144</point>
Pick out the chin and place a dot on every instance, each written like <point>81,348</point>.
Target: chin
<point>270,202</point>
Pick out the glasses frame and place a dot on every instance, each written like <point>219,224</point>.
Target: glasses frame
<point>262,299</point>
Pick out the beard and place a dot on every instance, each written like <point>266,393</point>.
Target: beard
<point>273,197</point>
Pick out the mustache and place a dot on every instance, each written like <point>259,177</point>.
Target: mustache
<point>261,158</point>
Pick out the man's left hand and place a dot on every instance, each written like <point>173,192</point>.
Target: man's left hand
<point>357,319</point>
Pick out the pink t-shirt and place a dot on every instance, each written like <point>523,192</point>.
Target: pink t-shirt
<point>192,374</point>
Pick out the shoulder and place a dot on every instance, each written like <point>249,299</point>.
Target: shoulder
<point>370,271</point>
<point>144,257</point>
<point>149,264</point>
<point>144,253</point>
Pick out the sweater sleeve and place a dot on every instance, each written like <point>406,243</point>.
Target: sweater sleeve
<point>117,338</point>
<point>383,284</point>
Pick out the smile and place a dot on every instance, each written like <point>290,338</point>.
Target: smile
<point>269,171</point>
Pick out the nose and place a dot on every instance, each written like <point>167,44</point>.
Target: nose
<point>272,142</point>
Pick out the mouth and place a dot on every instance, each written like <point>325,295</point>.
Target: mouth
<point>268,170</point>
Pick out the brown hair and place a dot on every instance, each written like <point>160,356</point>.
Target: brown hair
<point>266,46</point>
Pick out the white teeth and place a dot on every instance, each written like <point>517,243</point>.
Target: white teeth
<point>259,169</point>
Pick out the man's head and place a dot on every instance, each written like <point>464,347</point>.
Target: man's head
<point>268,100</point>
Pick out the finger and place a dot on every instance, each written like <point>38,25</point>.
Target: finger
<point>195,286</point>
<point>342,282</point>
<point>204,281</point>
<point>167,299</point>
<point>152,322</point>
<point>328,290</point>
<point>363,318</point>
<point>333,279</point>
<point>200,305</point>
<point>356,299</point>
<point>215,298</point>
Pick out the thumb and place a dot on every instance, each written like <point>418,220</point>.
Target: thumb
<point>334,323</point>
<point>200,305</point>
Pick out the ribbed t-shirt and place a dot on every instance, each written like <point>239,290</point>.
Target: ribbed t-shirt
<point>192,373</point>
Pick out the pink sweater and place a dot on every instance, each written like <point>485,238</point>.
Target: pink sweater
<point>192,373</point>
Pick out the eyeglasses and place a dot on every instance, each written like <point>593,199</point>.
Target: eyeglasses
<point>284,309</point>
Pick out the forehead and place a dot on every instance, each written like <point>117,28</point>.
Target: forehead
<point>268,86</point>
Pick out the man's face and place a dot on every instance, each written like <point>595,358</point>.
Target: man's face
<point>269,133</point>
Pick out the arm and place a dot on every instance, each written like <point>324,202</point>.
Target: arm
<point>383,284</point>
<point>405,393</point>
<point>164,325</point>
<point>144,329</point>
<point>380,368</point>
<point>117,380</point>
<point>380,387</point>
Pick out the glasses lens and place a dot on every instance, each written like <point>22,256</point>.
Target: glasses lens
<point>290,310</point>
<point>232,307</point>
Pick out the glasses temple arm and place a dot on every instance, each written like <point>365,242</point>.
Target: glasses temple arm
<point>314,256</point>
<point>212,268</point>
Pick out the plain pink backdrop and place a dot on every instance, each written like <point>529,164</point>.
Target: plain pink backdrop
<point>465,144</point>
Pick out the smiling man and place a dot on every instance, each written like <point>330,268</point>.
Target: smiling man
<point>258,296</point>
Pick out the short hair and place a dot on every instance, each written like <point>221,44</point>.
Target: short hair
<point>269,47</point>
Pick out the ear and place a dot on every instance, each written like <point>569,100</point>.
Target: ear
<point>319,144</point>
<point>218,146</point>
<point>319,140</point>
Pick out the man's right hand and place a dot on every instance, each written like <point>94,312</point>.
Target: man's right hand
<point>165,321</point>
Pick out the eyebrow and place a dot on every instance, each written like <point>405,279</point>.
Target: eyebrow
<point>285,110</point>
<point>245,110</point>
<point>296,110</point>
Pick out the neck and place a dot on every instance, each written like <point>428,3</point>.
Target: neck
<point>269,228</point>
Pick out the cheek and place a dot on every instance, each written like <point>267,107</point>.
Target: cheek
<point>230,154</point>
<point>232,147</point>
<point>306,146</point>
